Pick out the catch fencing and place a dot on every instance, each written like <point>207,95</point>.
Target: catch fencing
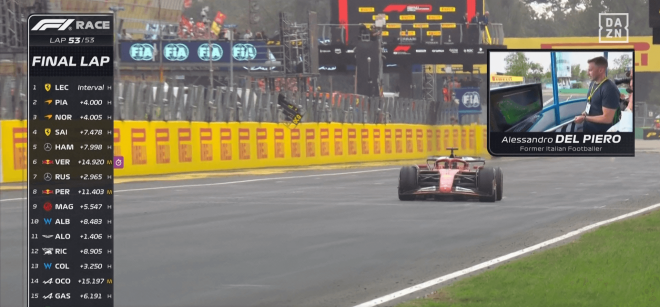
<point>156,101</point>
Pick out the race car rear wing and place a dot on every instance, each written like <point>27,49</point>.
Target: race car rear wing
<point>291,112</point>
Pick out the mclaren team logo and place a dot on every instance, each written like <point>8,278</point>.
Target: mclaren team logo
<point>59,24</point>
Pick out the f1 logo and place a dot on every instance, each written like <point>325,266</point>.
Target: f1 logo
<point>401,49</point>
<point>59,24</point>
<point>612,27</point>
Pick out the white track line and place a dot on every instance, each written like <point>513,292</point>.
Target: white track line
<point>235,182</point>
<point>433,282</point>
<point>254,180</point>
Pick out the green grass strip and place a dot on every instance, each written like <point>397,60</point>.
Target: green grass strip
<point>615,265</point>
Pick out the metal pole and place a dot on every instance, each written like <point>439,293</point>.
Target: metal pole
<point>231,60</point>
<point>160,42</point>
<point>355,81</point>
<point>210,59</point>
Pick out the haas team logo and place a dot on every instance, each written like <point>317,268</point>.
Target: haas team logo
<point>471,100</point>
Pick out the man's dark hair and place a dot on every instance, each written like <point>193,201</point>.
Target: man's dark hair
<point>599,61</point>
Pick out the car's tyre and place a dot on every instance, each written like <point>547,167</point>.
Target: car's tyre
<point>499,180</point>
<point>487,184</point>
<point>407,182</point>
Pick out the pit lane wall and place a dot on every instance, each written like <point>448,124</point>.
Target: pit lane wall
<point>150,148</point>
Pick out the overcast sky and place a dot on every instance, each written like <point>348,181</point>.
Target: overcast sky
<point>497,63</point>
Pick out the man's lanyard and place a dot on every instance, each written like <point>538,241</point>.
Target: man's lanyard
<point>591,93</point>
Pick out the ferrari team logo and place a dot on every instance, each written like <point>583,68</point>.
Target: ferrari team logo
<point>47,87</point>
<point>47,131</point>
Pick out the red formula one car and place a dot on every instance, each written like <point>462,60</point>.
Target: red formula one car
<point>451,177</point>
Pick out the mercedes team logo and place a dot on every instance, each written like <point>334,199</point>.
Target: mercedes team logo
<point>48,176</point>
<point>48,147</point>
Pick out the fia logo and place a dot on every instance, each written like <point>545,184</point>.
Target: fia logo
<point>244,52</point>
<point>471,100</point>
<point>613,27</point>
<point>176,52</point>
<point>142,52</point>
<point>203,52</point>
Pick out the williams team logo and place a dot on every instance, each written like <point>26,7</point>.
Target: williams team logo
<point>59,24</point>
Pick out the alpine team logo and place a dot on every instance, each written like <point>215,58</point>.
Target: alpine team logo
<point>59,24</point>
<point>471,100</point>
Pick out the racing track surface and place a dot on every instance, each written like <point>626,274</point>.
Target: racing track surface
<point>334,240</point>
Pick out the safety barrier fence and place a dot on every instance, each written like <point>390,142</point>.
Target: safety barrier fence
<point>154,101</point>
<point>160,147</point>
<point>250,103</point>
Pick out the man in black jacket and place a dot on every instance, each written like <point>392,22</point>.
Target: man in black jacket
<point>465,28</point>
<point>474,29</point>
